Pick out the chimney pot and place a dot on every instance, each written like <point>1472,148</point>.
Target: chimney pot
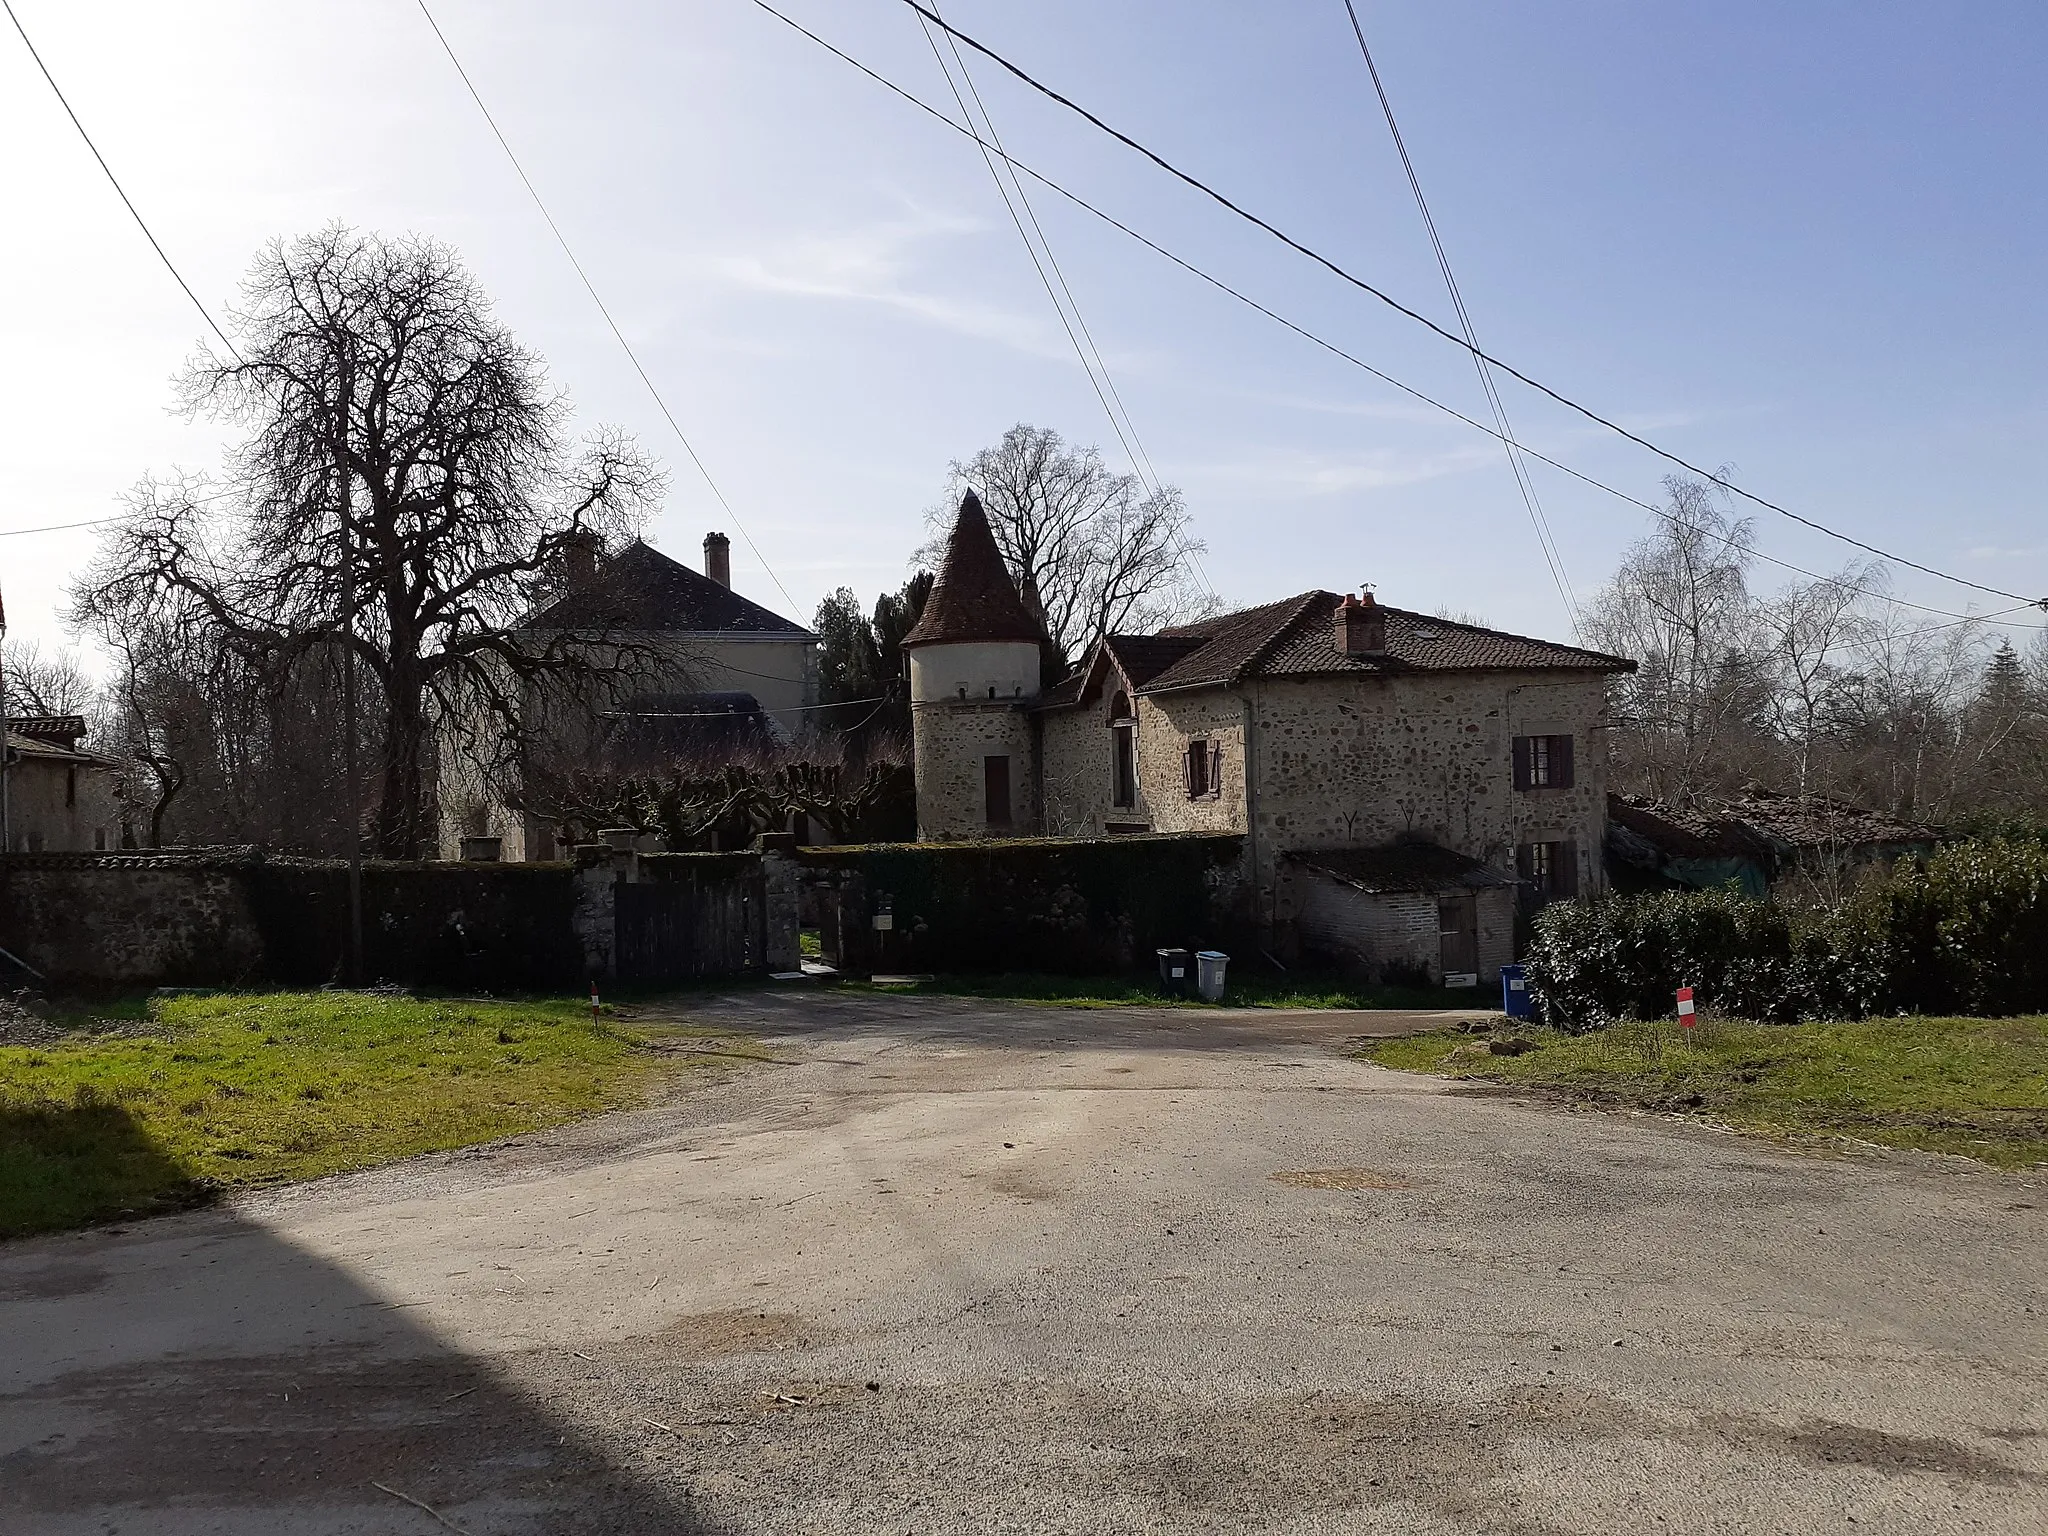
<point>1361,627</point>
<point>718,558</point>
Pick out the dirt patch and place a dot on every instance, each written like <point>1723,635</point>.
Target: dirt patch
<point>712,1335</point>
<point>55,1282</point>
<point>1341,1178</point>
<point>1821,1444</point>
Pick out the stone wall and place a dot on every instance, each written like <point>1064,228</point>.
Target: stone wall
<point>950,741</point>
<point>60,806</point>
<point>1070,905</point>
<point>131,919</point>
<point>232,918</point>
<point>1354,763</point>
<point>1387,934</point>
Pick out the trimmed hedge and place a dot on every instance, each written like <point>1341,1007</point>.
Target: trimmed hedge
<point>1962,932</point>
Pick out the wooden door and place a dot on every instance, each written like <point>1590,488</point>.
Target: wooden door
<point>1458,934</point>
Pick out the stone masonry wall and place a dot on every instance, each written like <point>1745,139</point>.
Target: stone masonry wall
<point>950,741</point>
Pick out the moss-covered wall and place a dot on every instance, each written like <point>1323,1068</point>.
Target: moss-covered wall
<point>1074,905</point>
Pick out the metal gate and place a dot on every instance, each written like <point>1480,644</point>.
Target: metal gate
<point>690,929</point>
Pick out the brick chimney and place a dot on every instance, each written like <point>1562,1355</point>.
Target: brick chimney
<point>1361,628</point>
<point>579,559</point>
<point>718,558</point>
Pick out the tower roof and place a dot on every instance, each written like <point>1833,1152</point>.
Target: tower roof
<point>973,598</point>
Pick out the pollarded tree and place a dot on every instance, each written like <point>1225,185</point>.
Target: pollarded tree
<point>403,486</point>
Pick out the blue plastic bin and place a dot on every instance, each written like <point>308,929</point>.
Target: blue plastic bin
<point>1514,992</point>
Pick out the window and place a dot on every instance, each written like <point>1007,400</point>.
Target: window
<point>1550,869</point>
<point>70,786</point>
<point>1124,749</point>
<point>995,787</point>
<point>1543,762</point>
<point>1202,769</point>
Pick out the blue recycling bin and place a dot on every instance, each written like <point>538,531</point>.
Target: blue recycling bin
<point>1514,992</point>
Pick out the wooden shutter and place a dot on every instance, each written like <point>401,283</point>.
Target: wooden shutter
<point>1521,762</point>
<point>1561,762</point>
<point>1216,770</point>
<point>1565,880</point>
<point>1187,771</point>
<point>995,783</point>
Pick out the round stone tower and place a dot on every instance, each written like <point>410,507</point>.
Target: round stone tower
<point>974,659</point>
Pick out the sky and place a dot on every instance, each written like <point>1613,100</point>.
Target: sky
<point>1797,238</point>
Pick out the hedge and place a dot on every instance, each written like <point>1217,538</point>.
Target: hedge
<point>1962,932</point>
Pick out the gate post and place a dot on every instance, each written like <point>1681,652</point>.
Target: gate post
<point>595,913</point>
<point>781,921</point>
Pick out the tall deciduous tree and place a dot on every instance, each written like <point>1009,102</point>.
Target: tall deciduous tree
<point>403,484</point>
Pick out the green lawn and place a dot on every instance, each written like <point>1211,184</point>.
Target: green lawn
<point>1978,1087</point>
<point>245,1090</point>
<point>1259,989</point>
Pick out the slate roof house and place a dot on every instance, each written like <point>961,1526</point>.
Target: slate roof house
<point>1398,778</point>
<point>718,673</point>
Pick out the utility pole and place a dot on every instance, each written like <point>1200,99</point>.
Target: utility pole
<point>352,961</point>
<point>6,810</point>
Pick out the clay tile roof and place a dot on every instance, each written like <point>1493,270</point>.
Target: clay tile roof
<point>641,590</point>
<point>1402,866</point>
<point>1295,638</point>
<point>973,598</point>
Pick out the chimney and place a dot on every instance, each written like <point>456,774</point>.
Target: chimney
<point>1361,628</point>
<point>718,558</point>
<point>579,558</point>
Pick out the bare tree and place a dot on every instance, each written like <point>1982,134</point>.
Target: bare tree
<point>403,487</point>
<point>1091,551</point>
<point>1680,606</point>
<point>1812,630</point>
<point>40,682</point>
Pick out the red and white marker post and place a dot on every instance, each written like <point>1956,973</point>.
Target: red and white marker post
<point>594,1019</point>
<point>1684,1007</point>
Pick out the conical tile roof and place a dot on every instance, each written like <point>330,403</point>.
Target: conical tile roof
<point>974,598</point>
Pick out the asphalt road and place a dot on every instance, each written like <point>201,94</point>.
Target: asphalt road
<point>950,1267</point>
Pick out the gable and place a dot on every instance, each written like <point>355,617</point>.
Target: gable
<point>642,591</point>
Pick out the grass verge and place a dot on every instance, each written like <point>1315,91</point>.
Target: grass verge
<point>1256,990</point>
<point>1978,1087</point>
<point>230,1091</point>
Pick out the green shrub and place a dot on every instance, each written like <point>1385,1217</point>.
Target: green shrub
<point>1965,931</point>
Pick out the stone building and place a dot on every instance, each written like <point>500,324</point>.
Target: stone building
<point>1338,736</point>
<point>703,672</point>
<point>60,797</point>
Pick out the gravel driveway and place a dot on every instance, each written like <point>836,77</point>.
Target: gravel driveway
<point>950,1266</point>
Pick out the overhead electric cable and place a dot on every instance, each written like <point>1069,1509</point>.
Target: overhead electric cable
<point>90,522</point>
<point>120,192</point>
<point>1024,199</point>
<point>1126,430</point>
<point>591,288</point>
<point>1544,538</point>
<point>1329,346</point>
<point>1395,304</point>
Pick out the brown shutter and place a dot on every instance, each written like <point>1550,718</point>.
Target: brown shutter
<point>1561,761</point>
<point>1187,770</point>
<point>1521,762</point>
<point>1216,770</point>
<point>1567,884</point>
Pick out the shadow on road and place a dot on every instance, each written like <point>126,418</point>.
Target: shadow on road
<point>198,1373</point>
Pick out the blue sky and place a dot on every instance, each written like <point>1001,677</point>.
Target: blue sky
<point>1802,239</point>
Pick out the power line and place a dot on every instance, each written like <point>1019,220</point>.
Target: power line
<point>1329,346</point>
<point>1523,483</point>
<point>591,289</point>
<point>91,522</point>
<point>1363,286</point>
<point>1125,429</point>
<point>126,202</point>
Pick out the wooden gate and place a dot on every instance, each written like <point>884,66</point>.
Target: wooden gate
<point>691,928</point>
